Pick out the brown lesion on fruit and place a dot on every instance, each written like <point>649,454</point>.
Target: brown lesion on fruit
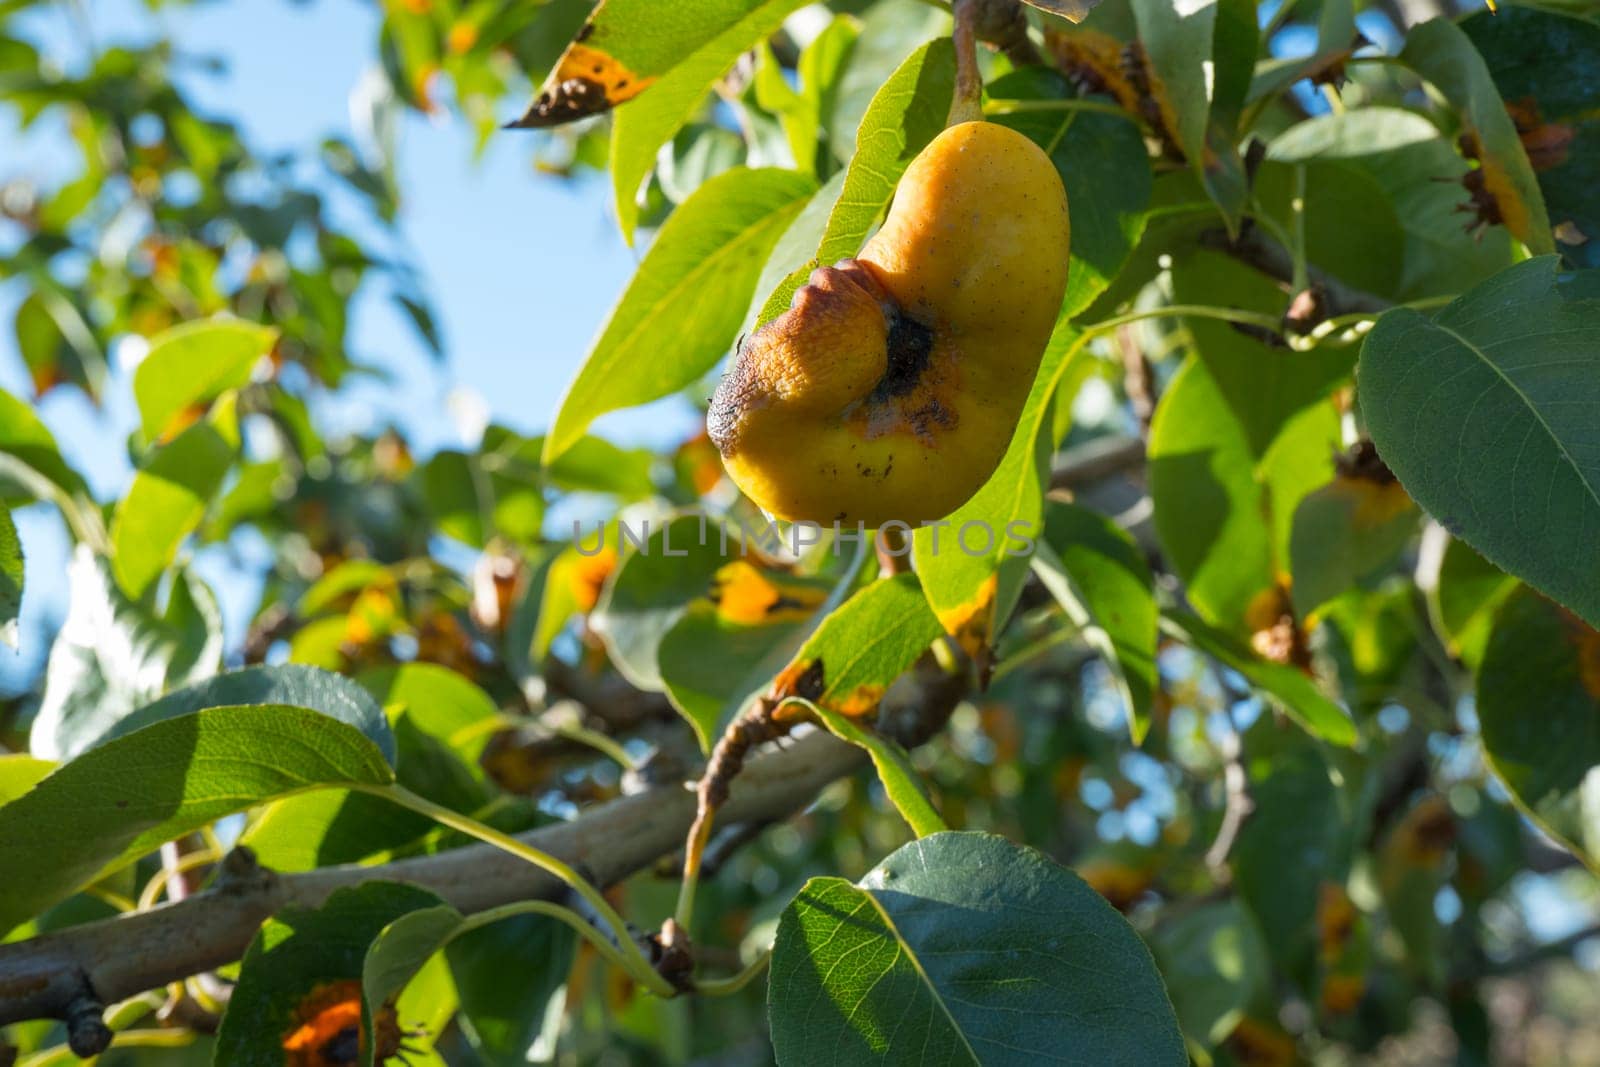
<point>820,359</point>
<point>585,82</point>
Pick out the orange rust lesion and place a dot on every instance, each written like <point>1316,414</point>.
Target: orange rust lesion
<point>585,82</point>
<point>587,575</point>
<point>748,596</point>
<point>327,1031</point>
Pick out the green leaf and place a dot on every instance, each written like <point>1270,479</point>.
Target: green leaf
<point>166,502</point>
<point>966,944</point>
<point>24,436</point>
<point>503,1019</point>
<point>1440,52</point>
<point>475,498</point>
<point>1214,963</point>
<point>972,592</point>
<point>591,464</point>
<point>865,645</point>
<point>1545,65</point>
<point>1470,590</point>
<point>302,961</point>
<point>194,364</point>
<point>1407,157</point>
<point>905,114</point>
<point>333,695</point>
<point>10,577</point>
<point>113,804</point>
<point>682,310</point>
<point>113,655</point>
<point>756,618</point>
<point>1262,388</point>
<point>1105,168</point>
<point>438,723</point>
<point>1541,657</point>
<point>820,66</point>
<point>398,952</point>
<point>1223,510</point>
<point>1344,532</point>
<point>671,564</point>
<point>19,773</point>
<point>1100,578</point>
<point>1178,40</point>
<point>1286,850</point>
<point>726,29</point>
<point>439,702</point>
<point>1289,689</point>
<point>1336,38</point>
<point>901,783</point>
<point>1488,420</point>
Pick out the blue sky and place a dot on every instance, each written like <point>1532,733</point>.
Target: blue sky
<point>522,267</point>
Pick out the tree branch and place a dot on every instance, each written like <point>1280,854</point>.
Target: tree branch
<point>1272,259</point>
<point>57,974</point>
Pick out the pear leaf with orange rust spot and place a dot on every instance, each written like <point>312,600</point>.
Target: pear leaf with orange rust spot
<point>623,48</point>
<point>756,617</point>
<point>974,562</point>
<point>300,989</point>
<point>862,647</point>
<point>1344,532</point>
<point>1505,188</point>
<point>901,783</point>
<point>679,49</point>
<point>964,948</point>
<point>1285,685</point>
<point>1174,60</point>
<point>1538,704</point>
<point>191,365</point>
<point>1486,412</point>
<point>1546,66</point>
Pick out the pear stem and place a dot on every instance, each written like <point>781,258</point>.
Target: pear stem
<point>967,105</point>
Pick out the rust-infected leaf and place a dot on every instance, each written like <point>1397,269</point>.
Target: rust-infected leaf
<point>749,596</point>
<point>586,82</point>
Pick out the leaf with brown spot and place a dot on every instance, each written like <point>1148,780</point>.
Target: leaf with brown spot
<point>864,646</point>
<point>1504,189</point>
